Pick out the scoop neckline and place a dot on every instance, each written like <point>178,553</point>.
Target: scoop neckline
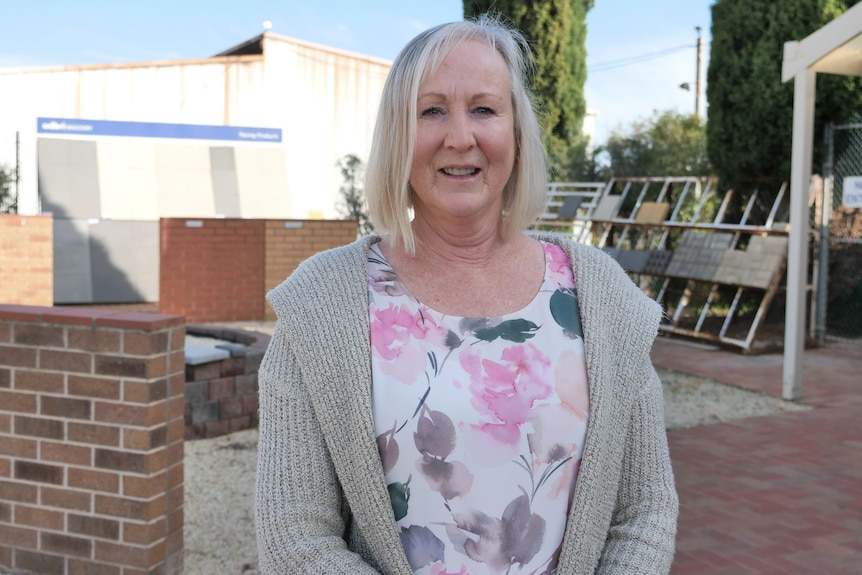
<point>375,248</point>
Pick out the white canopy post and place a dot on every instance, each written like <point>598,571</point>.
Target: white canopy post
<point>836,48</point>
<point>797,256</point>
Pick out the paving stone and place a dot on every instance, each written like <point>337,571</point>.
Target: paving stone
<point>570,206</point>
<point>607,208</point>
<point>652,212</point>
<point>767,244</point>
<point>613,252</point>
<point>699,256</point>
<point>657,262</point>
<point>633,260</point>
<point>787,493</point>
<point>755,269</point>
<point>198,354</point>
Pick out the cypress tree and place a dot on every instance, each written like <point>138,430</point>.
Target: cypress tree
<point>749,132</point>
<point>557,32</point>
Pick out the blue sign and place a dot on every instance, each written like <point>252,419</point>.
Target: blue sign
<point>153,130</point>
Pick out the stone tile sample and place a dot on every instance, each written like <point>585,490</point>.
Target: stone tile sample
<point>613,252</point>
<point>607,208</point>
<point>755,267</point>
<point>699,255</point>
<point>633,260</point>
<point>570,206</point>
<point>652,212</point>
<point>657,262</point>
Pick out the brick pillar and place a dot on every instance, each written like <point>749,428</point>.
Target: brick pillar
<point>91,441</point>
<point>26,259</point>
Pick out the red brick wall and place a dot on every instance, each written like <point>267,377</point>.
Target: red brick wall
<point>220,271</point>
<point>91,441</point>
<point>288,243</point>
<point>213,272</point>
<point>26,259</point>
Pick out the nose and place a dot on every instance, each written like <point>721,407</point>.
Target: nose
<point>459,131</point>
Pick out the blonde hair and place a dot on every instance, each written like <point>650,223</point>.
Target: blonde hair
<point>387,174</point>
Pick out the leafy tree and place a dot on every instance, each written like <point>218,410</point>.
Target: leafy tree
<point>557,32</point>
<point>666,144</point>
<point>352,203</point>
<point>749,134</point>
<point>8,199</point>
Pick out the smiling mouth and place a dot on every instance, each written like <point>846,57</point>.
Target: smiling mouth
<point>460,171</point>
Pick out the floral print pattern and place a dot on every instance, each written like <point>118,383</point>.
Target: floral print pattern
<point>480,424</point>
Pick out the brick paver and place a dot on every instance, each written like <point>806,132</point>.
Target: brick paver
<point>777,494</point>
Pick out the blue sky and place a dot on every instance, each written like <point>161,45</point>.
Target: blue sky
<point>60,32</point>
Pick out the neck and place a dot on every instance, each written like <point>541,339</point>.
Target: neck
<point>471,245</point>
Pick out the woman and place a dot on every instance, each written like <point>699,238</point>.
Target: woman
<point>456,396</point>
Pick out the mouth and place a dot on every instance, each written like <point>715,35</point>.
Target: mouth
<point>460,171</point>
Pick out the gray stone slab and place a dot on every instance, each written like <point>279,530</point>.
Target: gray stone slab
<point>69,178</point>
<point>570,206</point>
<point>720,241</point>
<point>198,354</point>
<point>234,349</point>
<point>633,260</point>
<point>699,255</point>
<point>125,261</point>
<point>73,280</point>
<point>613,252</point>
<point>693,239</point>
<point>607,208</point>
<point>752,268</point>
<point>767,244</point>
<point>705,271</point>
<point>657,262</point>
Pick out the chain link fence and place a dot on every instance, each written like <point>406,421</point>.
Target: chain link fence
<point>840,248</point>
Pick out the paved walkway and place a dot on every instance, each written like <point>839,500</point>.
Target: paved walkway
<point>771,495</point>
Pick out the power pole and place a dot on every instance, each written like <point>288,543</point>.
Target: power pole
<point>698,90</point>
<point>17,168</point>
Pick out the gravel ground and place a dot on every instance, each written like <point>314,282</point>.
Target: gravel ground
<point>219,485</point>
<point>219,505</point>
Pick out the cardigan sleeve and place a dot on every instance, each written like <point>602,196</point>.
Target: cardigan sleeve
<point>642,534</point>
<point>300,510</point>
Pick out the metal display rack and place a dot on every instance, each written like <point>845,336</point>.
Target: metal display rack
<point>716,278</point>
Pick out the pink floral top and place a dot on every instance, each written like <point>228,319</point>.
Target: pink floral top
<point>480,424</point>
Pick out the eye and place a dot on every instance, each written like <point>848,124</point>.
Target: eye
<point>432,112</point>
<point>483,111</point>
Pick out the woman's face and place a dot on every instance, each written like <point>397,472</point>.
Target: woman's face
<point>465,136</point>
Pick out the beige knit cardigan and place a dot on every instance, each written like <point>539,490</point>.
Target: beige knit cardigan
<point>322,503</point>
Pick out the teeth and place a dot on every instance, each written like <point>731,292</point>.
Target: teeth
<point>459,171</point>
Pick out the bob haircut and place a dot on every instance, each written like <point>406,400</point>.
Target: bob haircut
<point>387,184</point>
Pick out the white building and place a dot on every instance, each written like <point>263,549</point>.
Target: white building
<point>253,132</point>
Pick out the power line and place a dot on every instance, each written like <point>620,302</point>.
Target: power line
<point>611,64</point>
